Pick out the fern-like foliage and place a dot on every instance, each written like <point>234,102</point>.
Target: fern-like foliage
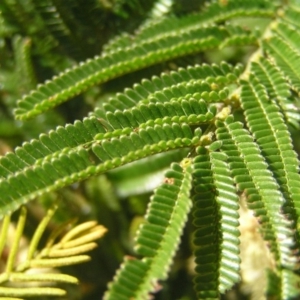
<point>233,121</point>
<point>67,251</point>
<point>153,44</point>
<point>165,218</point>
<point>216,220</point>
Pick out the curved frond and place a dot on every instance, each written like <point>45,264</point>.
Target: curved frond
<point>270,131</point>
<point>243,179</point>
<point>52,171</point>
<point>116,63</point>
<point>158,237</point>
<point>204,81</point>
<point>114,125</point>
<point>190,111</point>
<point>263,196</point>
<point>216,221</point>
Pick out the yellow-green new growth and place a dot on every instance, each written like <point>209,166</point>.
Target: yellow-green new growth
<point>67,250</point>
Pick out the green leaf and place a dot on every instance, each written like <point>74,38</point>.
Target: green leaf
<point>267,125</point>
<point>100,69</point>
<point>263,196</point>
<point>216,237</point>
<point>158,237</point>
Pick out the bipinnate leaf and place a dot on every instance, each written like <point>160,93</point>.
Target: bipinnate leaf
<point>192,111</point>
